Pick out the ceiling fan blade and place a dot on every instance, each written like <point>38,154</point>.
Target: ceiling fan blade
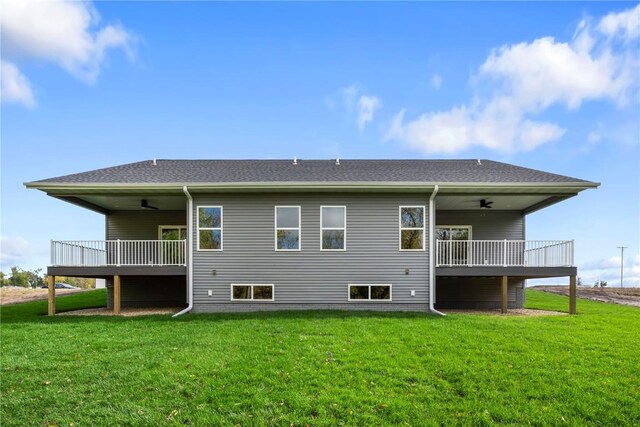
<point>484,204</point>
<point>144,204</point>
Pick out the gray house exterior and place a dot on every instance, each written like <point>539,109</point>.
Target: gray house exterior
<point>247,235</point>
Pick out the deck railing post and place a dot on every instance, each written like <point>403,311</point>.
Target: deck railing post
<point>571,259</point>
<point>118,252</point>
<point>504,253</point>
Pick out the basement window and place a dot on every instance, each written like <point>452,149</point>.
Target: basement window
<point>369,292</point>
<point>209,228</point>
<point>333,228</point>
<point>253,292</point>
<point>287,235</point>
<point>412,228</point>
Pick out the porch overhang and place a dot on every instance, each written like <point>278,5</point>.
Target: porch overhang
<point>104,198</point>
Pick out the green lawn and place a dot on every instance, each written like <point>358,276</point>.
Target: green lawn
<point>321,368</point>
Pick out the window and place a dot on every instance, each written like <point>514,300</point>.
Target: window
<point>172,232</point>
<point>453,232</point>
<point>369,292</point>
<point>456,251</point>
<point>172,252</point>
<point>333,228</point>
<point>412,228</point>
<point>209,228</point>
<point>251,292</point>
<point>287,228</point>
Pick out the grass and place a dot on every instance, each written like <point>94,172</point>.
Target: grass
<point>321,368</point>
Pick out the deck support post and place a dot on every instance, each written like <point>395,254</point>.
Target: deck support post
<point>572,294</point>
<point>505,294</point>
<point>51,282</point>
<point>116,295</point>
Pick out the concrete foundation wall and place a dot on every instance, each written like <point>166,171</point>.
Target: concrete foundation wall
<point>251,307</point>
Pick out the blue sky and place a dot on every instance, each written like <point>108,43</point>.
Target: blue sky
<point>553,86</point>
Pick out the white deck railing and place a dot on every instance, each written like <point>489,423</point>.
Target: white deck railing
<point>504,253</point>
<point>91,253</point>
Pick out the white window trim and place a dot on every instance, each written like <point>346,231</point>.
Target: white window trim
<point>276,228</point>
<point>423,228</point>
<point>369,299</point>
<point>210,228</point>
<point>164,227</point>
<point>468,227</point>
<point>273,292</point>
<point>334,228</point>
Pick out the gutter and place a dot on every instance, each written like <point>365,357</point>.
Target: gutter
<point>432,255</point>
<point>304,185</point>
<point>189,254</point>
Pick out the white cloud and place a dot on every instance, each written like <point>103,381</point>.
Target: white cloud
<point>355,102</point>
<point>625,24</point>
<point>518,82</point>
<point>594,137</point>
<point>367,106</point>
<point>495,127</point>
<point>436,81</point>
<point>349,96</point>
<point>14,86</point>
<point>63,32</point>
<point>13,250</point>
<point>546,72</point>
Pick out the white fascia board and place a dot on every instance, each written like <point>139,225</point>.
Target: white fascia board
<point>453,187</point>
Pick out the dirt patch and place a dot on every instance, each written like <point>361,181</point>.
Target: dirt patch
<point>12,295</point>
<point>510,312</point>
<point>126,312</point>
<point>623,296</point>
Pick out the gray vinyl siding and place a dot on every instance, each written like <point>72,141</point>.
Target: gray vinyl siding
<point>310,276</point>
<point>141,224</point>
<point>486,224</point>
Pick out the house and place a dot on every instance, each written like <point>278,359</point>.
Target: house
<point>244,235</point>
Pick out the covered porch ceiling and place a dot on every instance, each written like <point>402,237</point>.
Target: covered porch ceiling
<point>525,203</point>
<point>526,199</point>
<point>104,204</point>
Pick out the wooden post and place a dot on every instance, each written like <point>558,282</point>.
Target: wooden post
<point>572,294</point>
<point>116,295</point>
<point>52,295</point>
<point>505,294</point>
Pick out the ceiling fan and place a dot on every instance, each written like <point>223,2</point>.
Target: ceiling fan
<point>485,204</point>
<point>144,204</point>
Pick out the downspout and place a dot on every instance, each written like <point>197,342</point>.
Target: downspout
<point>432,254</point>
<point>189,253</point>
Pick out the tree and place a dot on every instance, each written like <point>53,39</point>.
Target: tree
<point>24,278</point>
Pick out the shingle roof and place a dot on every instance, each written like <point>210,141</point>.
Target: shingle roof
<point>244,171</point>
